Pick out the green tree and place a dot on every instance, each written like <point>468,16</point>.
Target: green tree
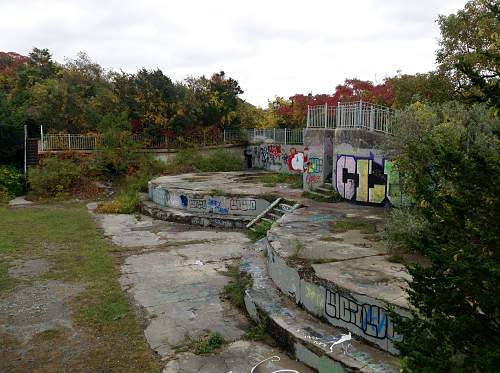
<point>449,156</point>
<point>432,87</point>
<point>470,50</point>
<point>217,99</point>
<point>74,101</point>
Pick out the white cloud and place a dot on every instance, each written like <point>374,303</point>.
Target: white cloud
<point>270,47</point>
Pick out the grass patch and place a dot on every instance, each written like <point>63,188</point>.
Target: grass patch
<point>365,226</point>
<point>234,291</point>
<point>67,237</point>
<point>331,239</point>
<point>124,203</point>
<point>192,160</point>
<point>330,198</point>
<point>272,179</point>
<point>258,331</point>
<point>49,334</point>
<point>205,345</point>
<point>209,344</point>
<point>260,230</point>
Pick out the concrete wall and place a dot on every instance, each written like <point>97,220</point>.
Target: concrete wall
<point>207,204</point>
<point>362,315</point>
<point>278,157</point>
<point>318,152</point>
<point>361,171</point>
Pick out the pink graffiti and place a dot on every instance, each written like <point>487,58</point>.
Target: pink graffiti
<point>313,179</point>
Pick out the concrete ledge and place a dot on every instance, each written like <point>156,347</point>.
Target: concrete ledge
<point>304,337</point>
<point>351,287</point>
<point>213,220</point>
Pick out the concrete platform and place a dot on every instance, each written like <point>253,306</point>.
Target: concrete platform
<point>303,336</point>
<point>215,199</point>
<point>343,278</point>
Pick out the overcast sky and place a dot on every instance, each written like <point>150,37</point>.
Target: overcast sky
<point>271,47</point>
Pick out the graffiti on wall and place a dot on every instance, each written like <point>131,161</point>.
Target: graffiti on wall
<point>220,205</point>
<point>279,158</point>
<point>372,320</point>
<point>366,179</point>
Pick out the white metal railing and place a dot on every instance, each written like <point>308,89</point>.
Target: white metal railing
<point>351,115</point>
<point>290,136</point>
<point>65,142</point>
<point>68,142</point>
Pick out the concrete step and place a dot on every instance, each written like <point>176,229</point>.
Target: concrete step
<point>268,220</point>
<point>303,336</point>
<point>345,281</point>
<point>319,193</point>
<point>274,216</point>
<point>323,190</point>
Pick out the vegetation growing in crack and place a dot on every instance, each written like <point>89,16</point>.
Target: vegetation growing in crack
<point>260,230</point>
<point>234,291</point>
<point>330,197</point>
<point>203,345</point>
<point>365,226</point>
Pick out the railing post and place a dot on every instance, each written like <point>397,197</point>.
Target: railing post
<point>41,137</point>
<point>285,136</point>
<point>69,142</point>
<point>326,114</point>
<point>254,130</point>
<point>372,118</point>
<point>360,114</point>
<point>308,116</point>
<point>224,136</point>
<point>274,134</point>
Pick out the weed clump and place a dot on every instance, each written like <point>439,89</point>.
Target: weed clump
<point>365,226</point>
<point>330,198</point>
<point>234,291</point>
<point>260,230</point>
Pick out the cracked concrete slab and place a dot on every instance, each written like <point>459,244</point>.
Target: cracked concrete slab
<point>237,357</point>
<point>179,291</point>
<point>178,284</point>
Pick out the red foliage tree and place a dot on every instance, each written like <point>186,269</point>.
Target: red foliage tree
<point>293,112</point>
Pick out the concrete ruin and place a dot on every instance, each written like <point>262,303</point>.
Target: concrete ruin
<point>324,296</point>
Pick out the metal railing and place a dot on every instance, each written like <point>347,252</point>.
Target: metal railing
<point>351,115</point>
<point>290,136</point>
<point>67,142</point>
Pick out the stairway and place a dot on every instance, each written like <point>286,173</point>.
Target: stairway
<point>274,212</point>
<point>308,339</point>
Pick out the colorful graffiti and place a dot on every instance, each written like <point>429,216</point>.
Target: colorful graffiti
<point>220,205</point>
<point>372,320</point>
<point>366,179</point>
<point>296,160</point>
<point>279,158</point>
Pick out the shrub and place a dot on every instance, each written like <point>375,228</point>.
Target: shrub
<point>124,203</point>
<point>455,305</point>
<point>11,180</point>
<point>53,177</point>
<point>191,160</point>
